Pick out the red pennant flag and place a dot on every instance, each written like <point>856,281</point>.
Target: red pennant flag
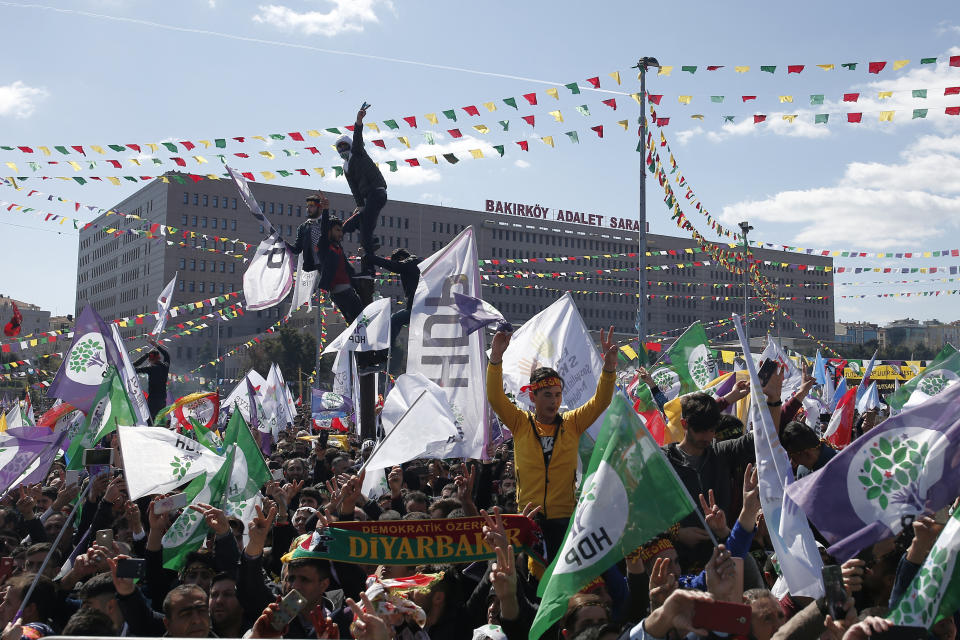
<point>195,177</point>
<point>296,135</point>
<point>189,145</point>
<point>524,145</point>
<point>531,98</point>
<point>411,120</point>
<point>951,91</point>
<point>303,172</point>
<point>25,149</point>
<point>851,97</point>
<point>455,133</point>
<point>350,127</point>
<point>413,162</point>
<point>876,67</point>
<point>380,143</point>
<point>955,61</point>
<point>612,103</point>
<point>248,175</point>
<point>12,328</point>
<point>952,111</point>
<point>854,117</point>
<point>79,149</point>
<point>757,119</point>
<point>794,68</point>
<point>655,98</point>
<point>240,139</point>
<point>746,98</point>
<point>595,82</point>
<point>529,120</point>
<point>472,110</point>
<point>598,129</point>
<point>135,147</point>
<point>116,164</point>
<point>313,151</point>
<point>242,155</point>
<point>180,162</point>
<point>712,67</point>
<point>662,122</point>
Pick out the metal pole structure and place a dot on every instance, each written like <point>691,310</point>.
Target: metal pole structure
<point>642,65</point>
<point>368,382</point>
<point>216,366</point>
<point>745,229</point>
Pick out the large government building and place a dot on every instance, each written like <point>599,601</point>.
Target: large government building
<point>121,275</point>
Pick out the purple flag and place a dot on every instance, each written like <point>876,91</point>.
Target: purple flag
<point>325,405</point>
<point>475,314</point>
<point>20,447</point>
<point>907,466</point>
<point>266,438</point>
<point>85,362</point>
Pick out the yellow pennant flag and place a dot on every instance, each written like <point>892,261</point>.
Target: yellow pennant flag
<point>491,106</point>
<point>557,115</point>
<point>45,151</point>
<point>13,166</point>
<point>476,153</point>
<point>153,147</point>
<point>883,95</point>
<point>624,124</point>
<point>886,116</point>
<point>927,254</point>
<point>432,159</point>
<point>205,143</point>
<point>482,128</point>
<point>827,67</point>
<point>259,138</point>
<point>616,76</point>
<point>635,96</point>
<point>268,175</point>
<point>75,165</point>
<point>404,141</point>
<point>431,117</point>
<point>114,181</point>
<point>697,116</point>
<point>213,176</point>
<point>98,149</point>
<point>665,71</point>
<point>790,118</point>
<point>321,172</point>
<point>267,154</point>
<point>373,126</point>
<point>684,99</point>
<point>548,140</point>
<point>900,64</point>
<point>135,161</point>
<point>629,352</point>
<point>553,93</point>
<point>742,68</point>
<point>786,99</point>
<point>3,422</point>
<point>313,133</point>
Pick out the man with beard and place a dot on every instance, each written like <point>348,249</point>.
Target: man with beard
<point>226,615</point>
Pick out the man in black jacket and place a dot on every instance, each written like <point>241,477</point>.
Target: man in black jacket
<point>157,371</point>
<point>369,191</point>
<point>319,240</point>
<point>404,264</point>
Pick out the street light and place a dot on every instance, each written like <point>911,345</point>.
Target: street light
<point>642,65</point>
<point>745,228</point>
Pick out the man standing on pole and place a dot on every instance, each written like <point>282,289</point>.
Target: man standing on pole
<point>157,371</point>
<point>369,191</point>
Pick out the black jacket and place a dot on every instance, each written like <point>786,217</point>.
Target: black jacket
<point>328,259</point>
<point>304,244</point>
<point>156,373</point>
<point>715,472</point>
<point>408,271</point>
<point>362,173</point>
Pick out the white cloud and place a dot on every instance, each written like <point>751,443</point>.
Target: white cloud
<point>19,100</point>
<point>874,205</point>
<point>521,163</point>
<point>683,137</point>
<point>947,29</point>
<point>343,16</point>
<point>409,176</point>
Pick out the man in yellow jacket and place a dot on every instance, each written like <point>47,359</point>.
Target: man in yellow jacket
<point>546,442</point>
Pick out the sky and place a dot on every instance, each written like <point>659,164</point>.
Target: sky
<point>98,72</point>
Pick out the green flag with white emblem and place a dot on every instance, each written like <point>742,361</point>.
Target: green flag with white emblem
<point>942,372</point>
<point>934,593</point>
<point>691,365</point>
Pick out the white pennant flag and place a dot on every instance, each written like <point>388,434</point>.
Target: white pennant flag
<point>440,349</point>
<point>369,332</point>
<point>792,376</point>
<point>158,460</point>
<point>239,395</point>
<point>163,306</point>
<point>269,276</point>
<point>131,383</point>
<point>302,288</point>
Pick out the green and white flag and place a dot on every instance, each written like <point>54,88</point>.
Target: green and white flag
<point>691,364</point>
<point>934,593</point>
<point>189,531</point>
<point>157,460</point>
<point>111,407</point>
<point>641,497</point>
<point>942,372</point>
<point>250,471</point>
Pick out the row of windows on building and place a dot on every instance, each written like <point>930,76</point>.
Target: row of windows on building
<point>203,265</point>
<point>204,200</point>
<point>202,222</point>
<point>200,286</point>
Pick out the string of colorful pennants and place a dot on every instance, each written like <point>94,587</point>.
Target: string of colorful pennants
<point>852,117</point>
<point>814,98</point>
<point>874,67</point>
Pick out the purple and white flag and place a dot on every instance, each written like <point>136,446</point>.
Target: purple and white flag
<point>85,362</point>
<point>907,466</point>
<point>475,314</point>
<point>21,447</point>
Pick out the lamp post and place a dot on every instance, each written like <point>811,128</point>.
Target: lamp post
<point>745,228</point>
<point>642,65</point>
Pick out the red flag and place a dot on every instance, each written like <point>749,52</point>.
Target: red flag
<point>303,172</point>
<point>524,145</point>
<point>135,147</point>
<point>714,67</point>
<point>595,81</point>
<point>472,110</point>
<point>380,143</point>
<point>296,135</point>
<point>759,118</point>
<point>25,149</point>
<point>955,61</point>
<point>413,162</point>
<point>79,149</point>
<point>854,117</point>
<point>189,145</point>
<point>794,68</point>
<point>12,328</point>
<point>411,120</point>
<point>247,155</point>
<point>455,133</point>
<point>531,98</point>
<point>115,163</point>
<point>249,176</point>
<point>842,420</point>
<point>851,97</point>
<point>529,120</point>
<point>746,98</point>
<point>951,91</point>
<point>952,111</point>
<point>612,103</point>
<point>598,129</point>
<point>662,122</point>
<point>180,162</point>
<point>655,98</point>
<point>313,150</point>
<point>876,67</point>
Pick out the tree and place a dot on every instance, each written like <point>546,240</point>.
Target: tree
<point>293,350</point>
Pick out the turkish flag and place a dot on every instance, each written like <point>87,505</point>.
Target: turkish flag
<point>12,328</point>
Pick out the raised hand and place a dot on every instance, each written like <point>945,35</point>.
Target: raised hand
<point>714,516</point>
<point>465,482</point>
<point>751,499</point>
<point>366,624</point>
<point>124,586</point>
<point>609,349</point>
<point>869,626</point>
<point>722,575</point>
<point>676,613</point>
<point>646,378</point>
<point>257,530</point>
<point>215,518</point>
<point>494,533</point>
<point>395,481</point>
<point>501,340</point>
<point>925,533</point>
<point>530,511</point>
<point>662,582</point>
<point>263,627</point>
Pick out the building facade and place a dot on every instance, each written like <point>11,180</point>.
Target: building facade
<point>122,274</point>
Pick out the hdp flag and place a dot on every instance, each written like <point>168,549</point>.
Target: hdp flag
<point>476,314</point>
<point>943,372</point>
<point>85,363</point>
<point>691,364</point>
<point>630,494</point>
<point>904,467</point>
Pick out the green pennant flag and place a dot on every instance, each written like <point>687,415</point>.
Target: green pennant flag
<point>207,437</point>
<point>392,164</point>
<point>574,88</point>
<point>934,593</point>
<point>428,137</point>
<point>189,531</point>
<point>943,372</point>
<point>716,98</point>
<point>451,114</point>
<point>628,469</point>
<point>928,60</point>
<point>62,149</point>
<point>120,147</point>
<point>392,124</point>
<point>277,136</point>
<point>691,364</point>
<point>852,66</point>
<point>172,148</point>
<point>333,130</point>
<point>689,69</point>
<point>821,118</point>
<point>250,471</point>
<point>499,149</point>
<point>337,171</point>
<point>130,178</point>
<point>919,113</point>
<point>220,143</point>
<point>728,118</point>
<point>80,180</point>
<point>768,68</point>
<point>574,138</point>
<point>512,102</point>
<point>159,161</point>
<point>452,159</point>
<point>919,93</point>
<point>816,98</point>
<point>505,124</point>
<point>284,172</point>
<point>584,109</point>
<point>179,179</point>
<point>111,407</point>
